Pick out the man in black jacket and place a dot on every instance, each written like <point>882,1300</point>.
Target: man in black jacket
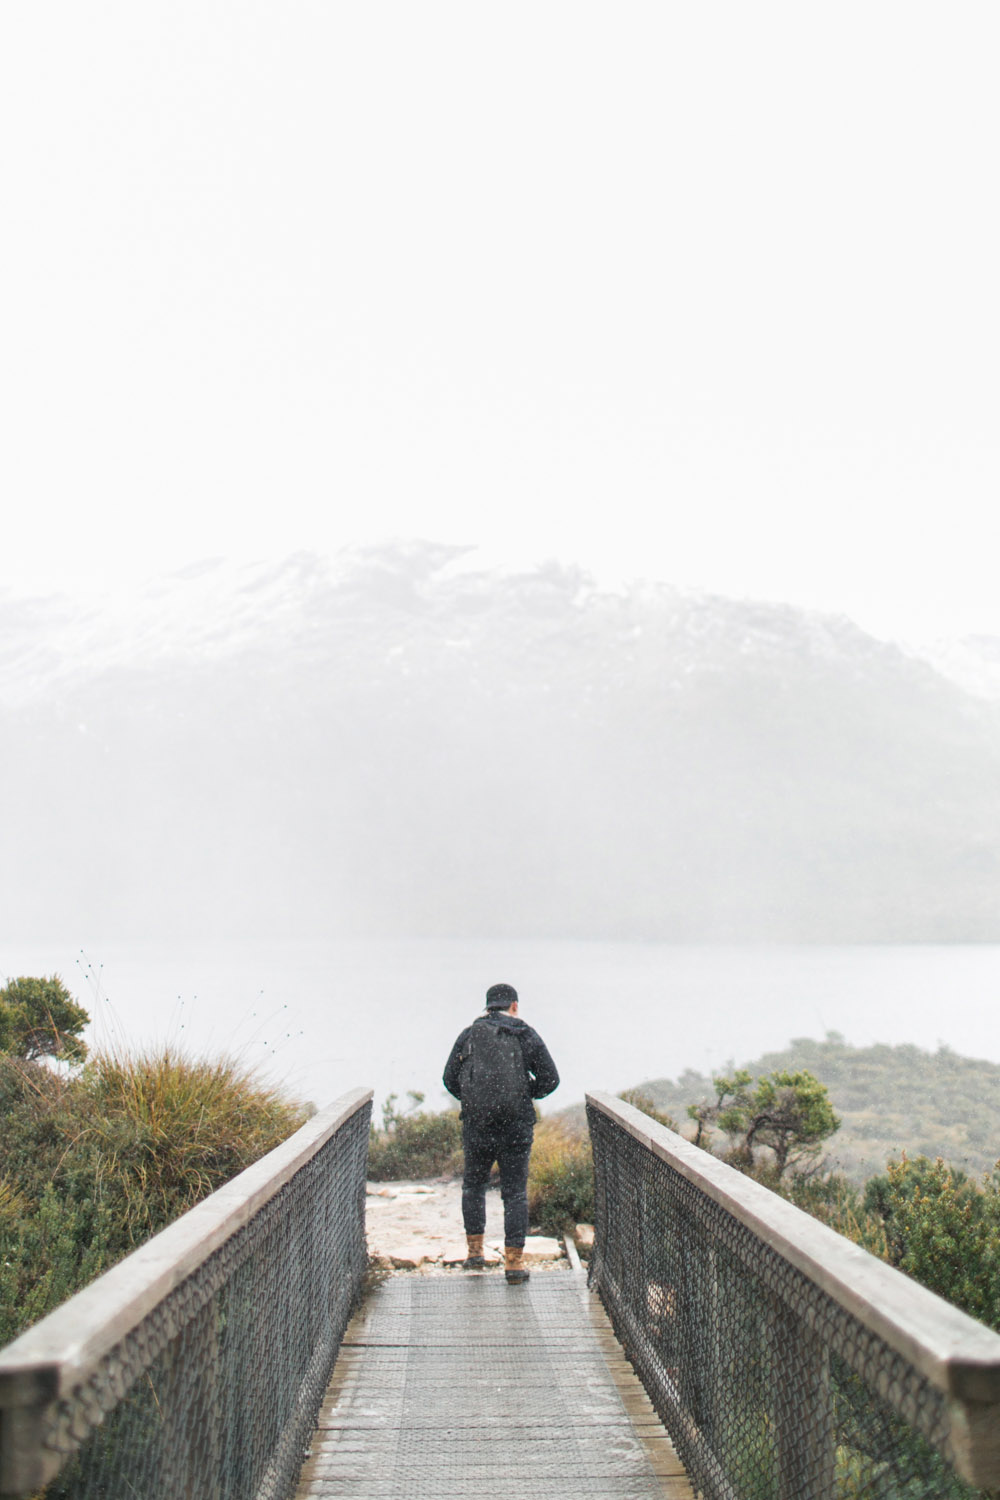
<point>497,1066</point>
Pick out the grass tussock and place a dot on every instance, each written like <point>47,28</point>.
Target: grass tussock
<point>171,1130</point>
<point>95,1163</point>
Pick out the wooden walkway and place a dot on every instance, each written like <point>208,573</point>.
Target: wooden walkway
<point>459,1385</point>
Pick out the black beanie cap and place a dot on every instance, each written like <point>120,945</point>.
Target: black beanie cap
<point>500,996</point>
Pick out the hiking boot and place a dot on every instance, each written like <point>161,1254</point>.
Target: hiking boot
<point>474,1261</point>
<point>513,1263</point>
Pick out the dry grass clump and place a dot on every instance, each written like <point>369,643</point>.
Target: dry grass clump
<point>96,1162</point>
<point>169,1129</point>
<point>561,1178</point>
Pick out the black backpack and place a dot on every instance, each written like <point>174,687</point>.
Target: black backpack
<point>493,1076</point>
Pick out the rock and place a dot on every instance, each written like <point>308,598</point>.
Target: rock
<point>407,1257</point>
<point>542,1247</point>
<point>584,1235</point>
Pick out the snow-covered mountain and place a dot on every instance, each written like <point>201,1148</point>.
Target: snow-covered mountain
<point>396,740</point>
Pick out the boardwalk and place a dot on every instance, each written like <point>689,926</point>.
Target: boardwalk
<point>460,1385</point>
<point>787,1356</point>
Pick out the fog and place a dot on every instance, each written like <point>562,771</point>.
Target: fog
<point>391,743</point>
<point>704,295</point>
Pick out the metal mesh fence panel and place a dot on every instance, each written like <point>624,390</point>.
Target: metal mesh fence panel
<point>214,1394</point>
<point>769,1388</point>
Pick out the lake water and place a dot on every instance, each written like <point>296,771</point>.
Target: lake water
<point>327,1016</point>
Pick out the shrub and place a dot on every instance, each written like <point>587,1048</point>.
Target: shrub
<point>561,1178</point>
<point>943,1229</point>
<point>414,1143</point>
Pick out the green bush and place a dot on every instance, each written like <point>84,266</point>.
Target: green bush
<point>787,1113</point>
<point>414,1143</point>
<point>943,1229</point>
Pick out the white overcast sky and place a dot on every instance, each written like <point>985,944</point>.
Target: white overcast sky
<point>702,291</point>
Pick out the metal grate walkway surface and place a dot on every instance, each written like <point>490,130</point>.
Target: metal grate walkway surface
<point>459,1385</point>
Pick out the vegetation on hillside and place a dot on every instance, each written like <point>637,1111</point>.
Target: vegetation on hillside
<point>641,1100</point>
<point>888,1099</point>
<point>942,1228</point>
<point>97,1159</point>
<point>918,1209</point>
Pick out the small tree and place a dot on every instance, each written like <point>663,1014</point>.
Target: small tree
<point>39,1018</point>
<point>788,1113</point>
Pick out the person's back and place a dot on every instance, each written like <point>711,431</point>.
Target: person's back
<point>493,1080</point>
<point>496,1069</point>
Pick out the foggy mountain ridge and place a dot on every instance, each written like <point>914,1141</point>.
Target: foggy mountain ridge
<point>397,742</point>
<point>216,609</point>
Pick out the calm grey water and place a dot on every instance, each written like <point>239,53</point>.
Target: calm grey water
<point>327,1016</point>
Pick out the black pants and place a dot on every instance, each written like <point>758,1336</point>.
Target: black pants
<point>510,1148</point>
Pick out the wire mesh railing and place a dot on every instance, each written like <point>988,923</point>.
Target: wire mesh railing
<point>195,1367</point>
<point>785,1362</point>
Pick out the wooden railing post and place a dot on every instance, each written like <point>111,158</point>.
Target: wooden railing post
<point>805,1439</point>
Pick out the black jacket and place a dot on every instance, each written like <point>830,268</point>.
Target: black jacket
<point>542,1075</point>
